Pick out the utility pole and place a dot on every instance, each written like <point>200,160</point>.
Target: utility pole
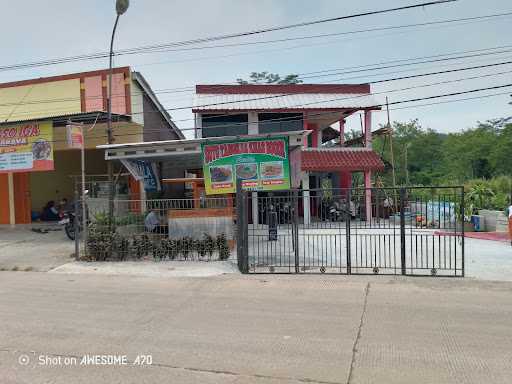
<point>121,8</point>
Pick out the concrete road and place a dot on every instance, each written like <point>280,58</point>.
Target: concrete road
<point>22,249</point>
<point>254,329</point>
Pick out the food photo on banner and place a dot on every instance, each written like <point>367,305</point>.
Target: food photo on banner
<point>26,148</point>
<point>261,165</point>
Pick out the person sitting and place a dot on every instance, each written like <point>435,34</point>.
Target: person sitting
<point>152,223</point>
<point>50,212</point>
<point>65,205</point>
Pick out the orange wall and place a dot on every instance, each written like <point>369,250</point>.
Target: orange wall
<point>4,199</point>
<point>22,201</point>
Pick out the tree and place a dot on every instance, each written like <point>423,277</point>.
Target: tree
<point>269,78</point>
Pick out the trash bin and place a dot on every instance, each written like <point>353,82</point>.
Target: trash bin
<point>479,223</point>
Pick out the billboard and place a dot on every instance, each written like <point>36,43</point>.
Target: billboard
<point>26,148</point>
<point>261,165</point>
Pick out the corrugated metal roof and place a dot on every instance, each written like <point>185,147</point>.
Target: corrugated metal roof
<point>205,102</point>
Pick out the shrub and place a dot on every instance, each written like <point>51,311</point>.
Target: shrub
<point>223,247</point>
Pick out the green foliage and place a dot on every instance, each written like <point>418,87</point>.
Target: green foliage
<point>106,245</point>
<point>426,157</point>
<point>269,78</point>
<point>223,247</point>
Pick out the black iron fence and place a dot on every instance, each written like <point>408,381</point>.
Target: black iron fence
<point>409,231</point>
<point>163,229</point>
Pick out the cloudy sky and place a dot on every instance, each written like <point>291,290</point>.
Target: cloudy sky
<point>36,30</point>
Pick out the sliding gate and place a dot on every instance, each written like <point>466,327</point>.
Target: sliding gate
<point>403,231</point>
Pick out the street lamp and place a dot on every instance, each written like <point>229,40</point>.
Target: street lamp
<point>121,8</point>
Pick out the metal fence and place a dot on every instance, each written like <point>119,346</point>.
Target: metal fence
<point>409,231</point>
<point>166,229</point>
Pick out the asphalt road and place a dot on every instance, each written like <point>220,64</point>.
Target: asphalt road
<point>254,329</point>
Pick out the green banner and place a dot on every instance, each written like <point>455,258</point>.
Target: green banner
<point>261,164</point>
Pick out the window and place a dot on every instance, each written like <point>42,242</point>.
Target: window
<point>216,125</point>
<point>280,122</point>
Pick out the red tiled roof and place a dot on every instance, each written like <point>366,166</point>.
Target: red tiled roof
<point>352,159</point>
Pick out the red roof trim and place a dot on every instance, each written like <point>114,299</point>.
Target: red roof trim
<point>81,75</point>
<point>323,160</point>
<point>282,88</point>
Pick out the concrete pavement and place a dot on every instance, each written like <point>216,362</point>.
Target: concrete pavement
<point>257,329</point>
<point>22,249</point>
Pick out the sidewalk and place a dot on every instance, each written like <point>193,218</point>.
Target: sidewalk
<point>150,268</point>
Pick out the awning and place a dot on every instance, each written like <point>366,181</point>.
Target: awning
<point>184,153</point>
<point>336,159</point>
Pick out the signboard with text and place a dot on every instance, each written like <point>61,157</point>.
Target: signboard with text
<point>261,165</point>
<point>26,148</point>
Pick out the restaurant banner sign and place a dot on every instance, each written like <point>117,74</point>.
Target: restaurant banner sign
<point>261,165</point>
<point>26,148</point>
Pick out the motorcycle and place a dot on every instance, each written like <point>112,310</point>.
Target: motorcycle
<point>68,221</point>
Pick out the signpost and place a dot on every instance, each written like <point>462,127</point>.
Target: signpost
<point>260,164</point>
<point>75,139</point>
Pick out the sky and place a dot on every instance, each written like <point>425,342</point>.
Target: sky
<point>36,30</point>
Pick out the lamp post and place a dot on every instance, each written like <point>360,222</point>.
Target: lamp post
<point>121,8</point>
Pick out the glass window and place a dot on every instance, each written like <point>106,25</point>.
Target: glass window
<point>279,122</point>
<point>217,125</point>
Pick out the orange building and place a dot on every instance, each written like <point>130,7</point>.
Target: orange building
<point>36,164</point>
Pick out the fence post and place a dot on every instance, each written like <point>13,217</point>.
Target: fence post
<point>76,224</point>
<point>347,232</point>
<point>402,229</point>
<point>242,222</point>
<point>295,221</point>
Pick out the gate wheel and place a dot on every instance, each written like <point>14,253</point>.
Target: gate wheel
<point>322,269</point>
<point>376,270</point>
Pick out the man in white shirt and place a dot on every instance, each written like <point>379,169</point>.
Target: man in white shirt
<point>152,223</point>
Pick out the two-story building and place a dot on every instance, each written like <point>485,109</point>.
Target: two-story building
<point>304,113</point>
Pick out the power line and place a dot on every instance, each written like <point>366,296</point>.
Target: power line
<point>393,27</point>
<point>481,52</point>
<point>353,97</point>
<point>324,113</point>
<point>150,48</point>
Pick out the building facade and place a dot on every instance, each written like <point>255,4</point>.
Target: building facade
<point>238,110</point>
<point>48,105</point>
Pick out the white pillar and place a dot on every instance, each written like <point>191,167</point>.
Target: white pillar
<point>305,196</point>
<point>368,194</point>
<point>12,205</point>
<point>252,118</point>
<point>368,128</point>
<point>342,132</point>
<point>255,211</point>
<point>319,137</point>
<point>198,125</point>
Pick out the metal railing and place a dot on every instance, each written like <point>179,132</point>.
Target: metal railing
<point>164,229</point>
<point>413,231</point>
